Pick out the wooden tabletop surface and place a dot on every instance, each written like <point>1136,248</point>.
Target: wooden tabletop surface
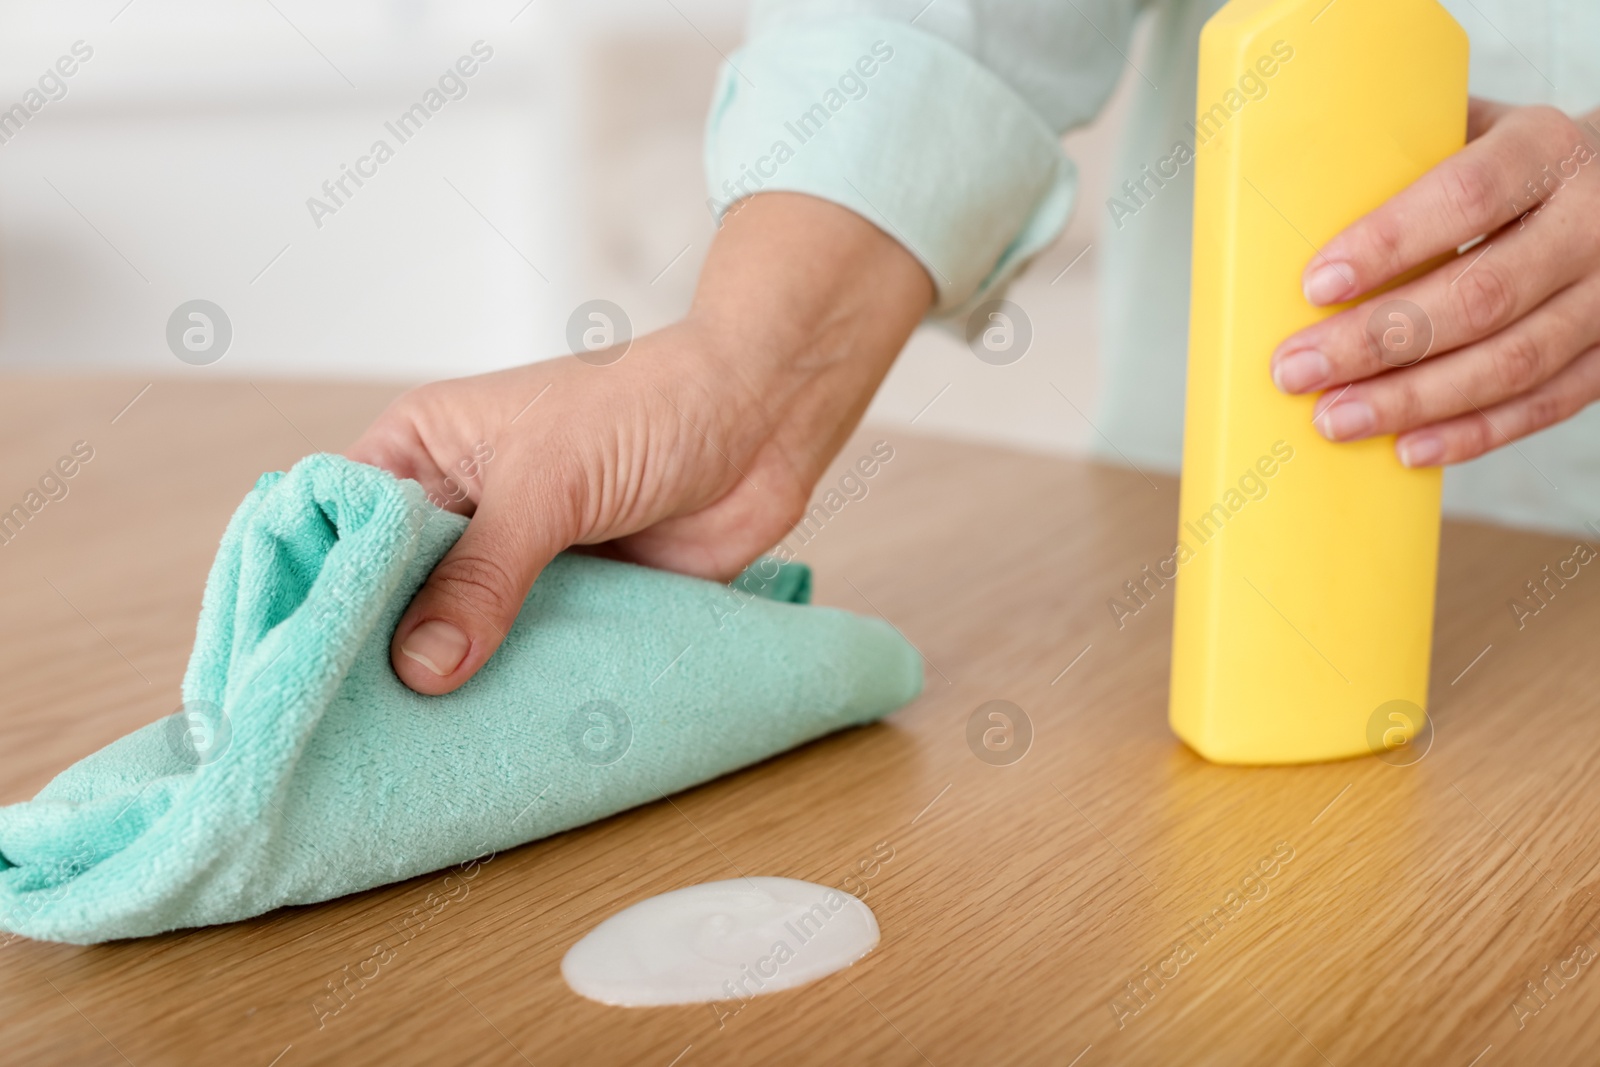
<point>1405,912</point>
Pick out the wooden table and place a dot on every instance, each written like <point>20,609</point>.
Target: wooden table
<point>1020,900</point>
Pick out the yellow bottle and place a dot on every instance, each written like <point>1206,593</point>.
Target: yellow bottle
<point>1304,603</point>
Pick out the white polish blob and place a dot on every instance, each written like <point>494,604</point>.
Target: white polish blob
<point>720,941</point>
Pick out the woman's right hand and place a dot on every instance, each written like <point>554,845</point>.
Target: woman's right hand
<point>694,452</point>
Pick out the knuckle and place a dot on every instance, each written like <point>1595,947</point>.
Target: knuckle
<point>1554,127</point>
<point>1470,192</point>
<point>1485,297</point>
<point>791,510</point>
<point>417,397</point>
<point>792,513</point>
<point>1519,363</point>
<point>477,581</point>
<point>1481,437</point>
<point>1544,408</point>
<point>1368,339</point>
<point>414,407</point>
<point>1386,240</point>
<point>1404,406</point>
<point>794,502</point>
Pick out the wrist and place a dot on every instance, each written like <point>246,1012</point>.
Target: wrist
<point>802,307</point>
<point>799,279</point>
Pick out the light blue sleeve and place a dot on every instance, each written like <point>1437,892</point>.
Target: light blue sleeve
<point>940,122</point>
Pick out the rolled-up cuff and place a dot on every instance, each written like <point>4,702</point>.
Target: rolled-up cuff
<point>902,128</point>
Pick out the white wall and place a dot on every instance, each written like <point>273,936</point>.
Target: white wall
<point>179,163</point>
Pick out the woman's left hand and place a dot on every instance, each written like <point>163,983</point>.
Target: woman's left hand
<point>1498,342</point>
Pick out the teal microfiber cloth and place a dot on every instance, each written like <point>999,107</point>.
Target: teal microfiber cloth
<point>301,769</point>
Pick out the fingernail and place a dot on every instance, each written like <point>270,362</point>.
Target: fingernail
<point>1329,283</point>
<point>438,645</point>
<point>1424,450</point>
<point>1353,418</point>
<point>1301,371</point>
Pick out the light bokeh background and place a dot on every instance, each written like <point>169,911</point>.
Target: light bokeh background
<point>178,165</point>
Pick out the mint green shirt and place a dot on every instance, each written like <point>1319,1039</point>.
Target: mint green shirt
<point>941,121</point>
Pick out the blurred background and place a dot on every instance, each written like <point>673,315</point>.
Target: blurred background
<point>178,159</point>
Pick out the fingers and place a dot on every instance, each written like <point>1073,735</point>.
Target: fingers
<point>1461,302</point>
<point>1512,362</point>
<point>718,541</point>
<point>1465,300</point>
<point>395,444</point>
<point>392,444</point>
<point>1474,192</point>
<point>1469,436</point>
<point>468,604</point>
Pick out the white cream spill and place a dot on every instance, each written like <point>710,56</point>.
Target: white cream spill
<point>720,941</point>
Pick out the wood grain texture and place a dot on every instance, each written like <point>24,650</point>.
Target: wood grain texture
<point>1019,901</point>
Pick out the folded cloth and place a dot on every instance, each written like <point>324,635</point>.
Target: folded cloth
<point>301,769</point>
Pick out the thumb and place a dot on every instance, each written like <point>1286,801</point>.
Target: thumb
<point>467,606</point>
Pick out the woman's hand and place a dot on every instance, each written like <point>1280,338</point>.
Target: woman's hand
<point>1514,321</point>
<point>693,452</point>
